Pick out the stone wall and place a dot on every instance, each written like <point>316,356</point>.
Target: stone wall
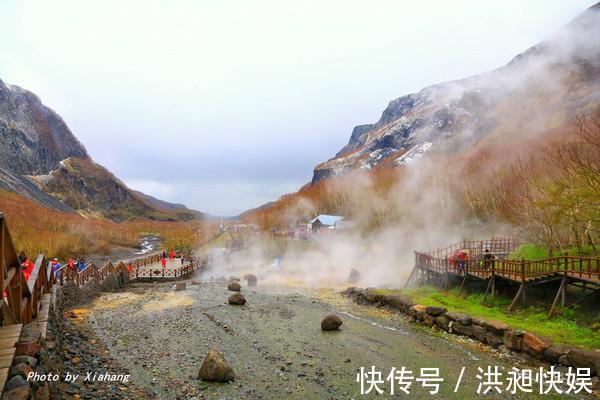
<point>496,334</point>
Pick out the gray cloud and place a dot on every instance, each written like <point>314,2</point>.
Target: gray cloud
<point>224,106</point>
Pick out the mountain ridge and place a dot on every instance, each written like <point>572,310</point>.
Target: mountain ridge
<point>42,160</point>
<point>558,77</point>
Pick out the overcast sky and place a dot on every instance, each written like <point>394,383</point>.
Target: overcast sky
<point>224,105</point>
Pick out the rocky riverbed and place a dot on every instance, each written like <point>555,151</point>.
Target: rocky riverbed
<point>274,343</point>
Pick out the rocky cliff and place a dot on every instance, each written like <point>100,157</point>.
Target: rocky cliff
<point>538,91</point>
<point>41,159</point>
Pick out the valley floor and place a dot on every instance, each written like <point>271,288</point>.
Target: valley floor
<point>274,344</point>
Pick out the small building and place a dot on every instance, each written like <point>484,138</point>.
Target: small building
<point>325,222</point>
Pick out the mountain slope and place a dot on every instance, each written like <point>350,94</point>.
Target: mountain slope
<point>42,160</point>
<point>538,91</point>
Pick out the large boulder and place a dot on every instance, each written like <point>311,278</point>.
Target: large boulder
<point>513,340</point>
<point>465,330</point>
<point>479,332</point>
<point>331,322</point>
<point>461,318</point>
<point>585,359</point>
<point>236,300</point>
<point>417,310</point>
<point>215,368</point>
<point>553,353</point>
<point>494,340</point>
<point>496,327</point>
<point>234,286</point>
<point>435,311</point>
<point>535,345</point>
<point>443,322</point>
<point>398,301</point>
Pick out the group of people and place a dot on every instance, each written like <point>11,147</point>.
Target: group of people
<point>79,265</point>
<point>460,259</point>
<point>171,256</point>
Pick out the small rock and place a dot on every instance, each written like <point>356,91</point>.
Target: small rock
<point>180,286</point>
<point>331,323</point>
<point>27,349</point>
<point>237,299</point>
<point>234,286</point>
<point>21,369</point>
<point>17,388</point>
<point>31,361</point>
<point>215,368</point>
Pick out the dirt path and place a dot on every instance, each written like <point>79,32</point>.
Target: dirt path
<point>274,344</point>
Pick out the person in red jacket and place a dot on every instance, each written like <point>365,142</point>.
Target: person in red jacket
<point>27,268</point>
<point>171,254</point>
<point>164,262</point>
<point>71,264</point>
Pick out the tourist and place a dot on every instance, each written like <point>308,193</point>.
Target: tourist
<point>164,262</point>
<point>171,255</point>
<point>129,268</point>
<point>487,259</point>
<point>71,264</point>
<point>164,254</point>
<point>462,261</point>
<point>81,265</point>
<point>55,267</point>
<point>28,266</point>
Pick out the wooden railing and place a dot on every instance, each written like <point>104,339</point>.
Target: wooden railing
<point>517,270</point>
<point>498,245</point>
<point>20,297</point>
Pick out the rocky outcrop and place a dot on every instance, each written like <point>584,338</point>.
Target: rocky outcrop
<point>496,334</point>
<point>450,116</point>
<point>33,138</point>
<point>42,160</point>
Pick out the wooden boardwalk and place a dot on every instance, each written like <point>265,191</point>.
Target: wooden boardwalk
<point>26,301</point>
<point>582,272</point>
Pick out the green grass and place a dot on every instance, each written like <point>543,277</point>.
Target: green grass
<point>569,327</point>
<point>531,251</point>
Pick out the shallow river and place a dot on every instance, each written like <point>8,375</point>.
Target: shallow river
<point>275,345</point>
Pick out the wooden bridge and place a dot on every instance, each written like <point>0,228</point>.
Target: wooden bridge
<point>26,301</point>
<point>582,272</point>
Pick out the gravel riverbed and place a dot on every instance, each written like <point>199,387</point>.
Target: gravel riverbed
<point>274,344</point>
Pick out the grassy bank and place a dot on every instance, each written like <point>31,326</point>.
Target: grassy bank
<point>569,327</point>
<point>530,251</point>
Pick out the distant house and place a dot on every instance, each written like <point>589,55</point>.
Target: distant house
<point>325,222</point>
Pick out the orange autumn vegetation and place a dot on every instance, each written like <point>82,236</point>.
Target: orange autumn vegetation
<point>36,229</point>
<point>545,188</point>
